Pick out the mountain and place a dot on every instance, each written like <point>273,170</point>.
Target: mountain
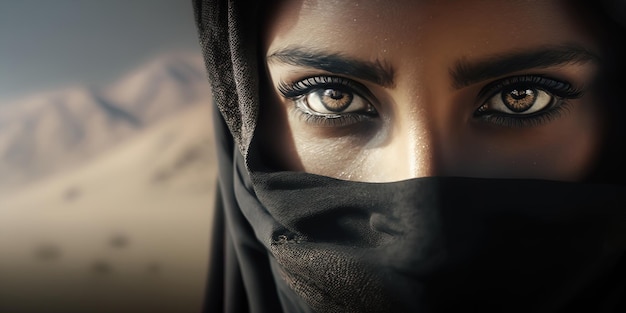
<point>112,205</point>
<point>126,231</point>
<point>53,131</point>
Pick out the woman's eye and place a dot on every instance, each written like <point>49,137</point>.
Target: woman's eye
<point>525,101</point>
<point>518,101</point>
<point>330,100</point>
<point>334,101</point>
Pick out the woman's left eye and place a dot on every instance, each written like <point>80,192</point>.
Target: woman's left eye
<point>519,100</point>
<point>524,100</point>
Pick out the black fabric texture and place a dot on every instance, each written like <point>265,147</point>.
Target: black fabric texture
<point>306,243</point>
<point>495,245</point>
<point>298,242</point>
<point>240,279</point>
<point>228,36</point>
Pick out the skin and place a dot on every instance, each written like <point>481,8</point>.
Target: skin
<point>425,122</point>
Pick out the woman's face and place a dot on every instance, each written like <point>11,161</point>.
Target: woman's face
<point>388,90</point>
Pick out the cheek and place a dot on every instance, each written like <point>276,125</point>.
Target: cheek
<point>289,143</point>
<point>577,143</point>
<point>330,157</point>
<point>563,149</point>
<point>350,157</point>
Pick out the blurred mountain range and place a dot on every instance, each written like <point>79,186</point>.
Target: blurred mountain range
<point>106,194</point>
<point>46,133</point>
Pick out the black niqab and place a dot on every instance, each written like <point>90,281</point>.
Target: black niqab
<point>298,242</point>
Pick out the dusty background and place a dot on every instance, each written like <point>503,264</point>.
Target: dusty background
<point>105,197</point>
<point>107,168</point>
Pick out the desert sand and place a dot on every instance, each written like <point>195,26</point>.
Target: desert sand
<point>123,229</point>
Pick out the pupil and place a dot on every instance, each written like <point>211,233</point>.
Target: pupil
<point>334,94</point>
<point>336,100</point>
<point>520,94</point>
<point>519,100</point>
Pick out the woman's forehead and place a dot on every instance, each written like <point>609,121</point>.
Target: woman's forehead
<point>412,11</point>
<point>415,34</point>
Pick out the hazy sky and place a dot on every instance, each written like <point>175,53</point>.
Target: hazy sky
<point>48,44</point>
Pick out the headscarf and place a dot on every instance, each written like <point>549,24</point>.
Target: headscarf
<point>298,242</point>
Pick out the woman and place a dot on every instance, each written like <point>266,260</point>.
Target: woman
<point>417,156</point>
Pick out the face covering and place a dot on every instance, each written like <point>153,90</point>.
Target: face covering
<point>442,244</point>
<point>298,242</point>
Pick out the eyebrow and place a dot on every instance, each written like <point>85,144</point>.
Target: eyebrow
<point>373,71</point>
<point>465,73</point>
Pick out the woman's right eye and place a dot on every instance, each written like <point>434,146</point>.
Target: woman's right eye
<point>334,101</point>
<point>330,99</point>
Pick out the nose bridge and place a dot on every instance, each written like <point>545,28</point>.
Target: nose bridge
<point>416,145</point>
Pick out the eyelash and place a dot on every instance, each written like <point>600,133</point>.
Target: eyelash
<point>296,91</point>
<point>561,91</point>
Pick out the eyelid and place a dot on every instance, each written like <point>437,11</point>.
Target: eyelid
<point>562,91</point>
<point>322,121</point>
<point>556,87</point>
<point>298,88</point>
<point>532,120</point>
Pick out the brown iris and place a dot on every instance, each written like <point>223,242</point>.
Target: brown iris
<point>519,99</point>
<point>336,100</point>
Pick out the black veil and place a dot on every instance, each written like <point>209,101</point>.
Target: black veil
<point>298,242</point>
